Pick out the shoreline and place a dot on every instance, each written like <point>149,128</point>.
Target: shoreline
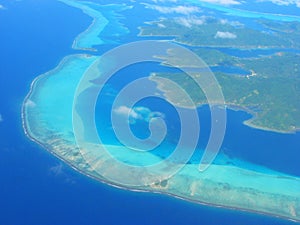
<point>26,128</point>
<point>254,117</point>
<point>241,47</point>
<point>111,184</point>
<point>43,146</point>
<point>230,106</point>
<point>29,134</point>
<point>85,10</point>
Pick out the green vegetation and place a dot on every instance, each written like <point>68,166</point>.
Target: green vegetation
<point>288,32</point>
<point>214,57</point>
<point>243,37</point>
<point>284,65</point>
<point>270,93</point>
<point>271,90</point>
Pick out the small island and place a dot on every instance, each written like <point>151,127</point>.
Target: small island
<point>269,86</point>
<point>269,89</point>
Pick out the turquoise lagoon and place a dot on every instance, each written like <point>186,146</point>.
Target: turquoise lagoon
<point>47,119</point>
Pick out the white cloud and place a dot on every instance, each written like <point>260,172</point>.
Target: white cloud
<point>30,103</point>
<point>1,7</point>
<point>231,23</point>
<point>225,35</point>
<point>175,9</point>
<point>223,2</point>
<point>237,2</point>
<point>283,2</point>
<point>160,25</point>
<point>126,111</point>
<point>137,113</point>
<point>1,118</point>
<point>190,21</point>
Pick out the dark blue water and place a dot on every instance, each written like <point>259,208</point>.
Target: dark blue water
<point>35,187</point>
<point>273,150</point>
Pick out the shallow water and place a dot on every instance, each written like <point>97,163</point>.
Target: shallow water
<point>32,182</point>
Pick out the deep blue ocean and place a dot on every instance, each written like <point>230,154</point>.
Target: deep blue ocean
<point>38,189</point>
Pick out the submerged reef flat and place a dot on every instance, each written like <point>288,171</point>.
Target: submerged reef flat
<point>95,35</point>
<point>90,37</point>
<point>48,121</point>
<point>48,110</point>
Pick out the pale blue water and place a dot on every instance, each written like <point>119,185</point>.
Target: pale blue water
<point>36,188</point>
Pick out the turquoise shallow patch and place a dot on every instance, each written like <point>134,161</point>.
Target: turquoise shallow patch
<point>47,118</point>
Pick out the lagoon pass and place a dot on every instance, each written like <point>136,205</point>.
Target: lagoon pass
<point>48,116</point>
